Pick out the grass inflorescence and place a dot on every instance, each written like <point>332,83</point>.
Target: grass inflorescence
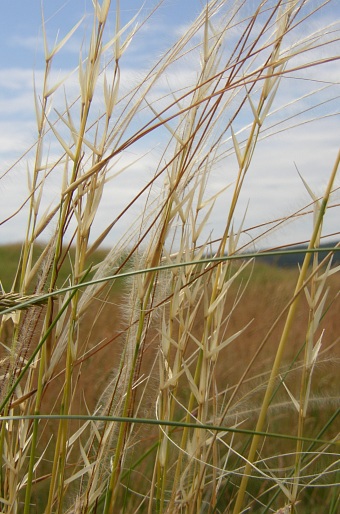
<point>174,371</point>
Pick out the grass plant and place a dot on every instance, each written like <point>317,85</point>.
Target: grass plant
<point>174,372</point>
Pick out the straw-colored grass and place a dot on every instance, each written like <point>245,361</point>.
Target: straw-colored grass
<point>195,385</point>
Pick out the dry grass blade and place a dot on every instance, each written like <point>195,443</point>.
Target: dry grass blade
<point>15,301</point>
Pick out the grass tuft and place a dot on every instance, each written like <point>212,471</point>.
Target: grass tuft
<point>174,371</point>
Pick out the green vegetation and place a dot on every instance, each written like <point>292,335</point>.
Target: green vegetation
<point>10,257</point>
<point>202,385</point>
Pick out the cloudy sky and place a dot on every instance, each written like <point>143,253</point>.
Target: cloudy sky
<point>301,132</point>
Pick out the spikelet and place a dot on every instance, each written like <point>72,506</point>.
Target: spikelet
<point>18,301</point>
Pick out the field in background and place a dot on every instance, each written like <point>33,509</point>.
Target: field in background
<point>10,258</point>
<point>265,297</point>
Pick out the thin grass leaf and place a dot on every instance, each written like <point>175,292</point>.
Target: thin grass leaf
<point>240,157</point>
<point>65,146</point>
<point>57,47</point>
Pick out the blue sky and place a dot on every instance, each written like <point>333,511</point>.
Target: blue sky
<point>273,188</point>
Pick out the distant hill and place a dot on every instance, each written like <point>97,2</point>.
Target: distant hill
<point>294,259</point>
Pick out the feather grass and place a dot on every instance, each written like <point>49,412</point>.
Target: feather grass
<point>157,415</point>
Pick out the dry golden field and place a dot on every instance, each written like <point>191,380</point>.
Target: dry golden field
<point>258,299</point>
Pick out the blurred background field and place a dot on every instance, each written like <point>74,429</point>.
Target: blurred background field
<point>264,298</point>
